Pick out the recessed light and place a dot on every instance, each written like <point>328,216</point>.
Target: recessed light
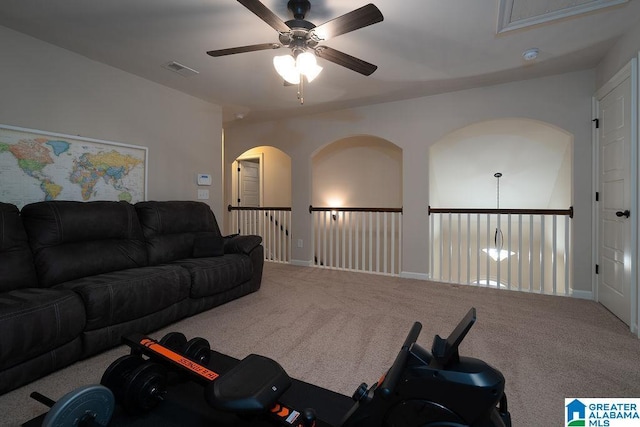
<point>530,54</point>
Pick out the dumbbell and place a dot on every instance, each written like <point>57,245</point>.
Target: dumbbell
<point>196,349</point>
<point>88,406</point>
<point>175,341</point>
<point>137,384</point>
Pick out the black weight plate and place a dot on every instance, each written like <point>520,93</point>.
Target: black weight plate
<point>119,371</point>
<point>198,350</point>
<point>94,402</point>
<point>145,388</point>
<point>175,341</point>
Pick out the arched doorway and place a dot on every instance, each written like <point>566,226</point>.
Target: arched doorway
<point>261,195</point>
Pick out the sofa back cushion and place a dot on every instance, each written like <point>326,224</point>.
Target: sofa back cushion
<point>70,240</point>
<point>16,263</point>
<point>171,228</point>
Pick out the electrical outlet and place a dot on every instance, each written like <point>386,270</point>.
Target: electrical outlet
<point>300,243</point>
<point>203,194</point>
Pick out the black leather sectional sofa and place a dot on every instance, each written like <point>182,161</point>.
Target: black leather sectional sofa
<point>75,277</point>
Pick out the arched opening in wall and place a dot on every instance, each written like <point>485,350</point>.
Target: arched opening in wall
<point>261,195</point>
<point>500,211</point>
<point>357,205</point>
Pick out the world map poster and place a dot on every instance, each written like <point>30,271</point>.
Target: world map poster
<point>37,166</point>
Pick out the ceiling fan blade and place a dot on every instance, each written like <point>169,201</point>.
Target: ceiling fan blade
<point>243,49</point>
<point>341,58</point>
<point>265,14</point>
<point>359,18</point>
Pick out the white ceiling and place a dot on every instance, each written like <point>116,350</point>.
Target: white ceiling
<point>422,47</point>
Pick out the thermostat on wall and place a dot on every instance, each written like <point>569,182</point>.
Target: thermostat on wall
<point>204,179</point>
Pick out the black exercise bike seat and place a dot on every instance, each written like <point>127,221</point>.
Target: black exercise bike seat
<point>253,385</point>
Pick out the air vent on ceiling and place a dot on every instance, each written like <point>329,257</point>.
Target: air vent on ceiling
<point>183,70</point>
<point>516,14</point>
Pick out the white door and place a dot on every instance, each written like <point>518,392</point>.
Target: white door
<point>614,224</point>
<point>249,181</point>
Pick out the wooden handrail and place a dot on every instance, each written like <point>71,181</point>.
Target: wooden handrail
<point>249,208</point>
<point>568,212</point>
<point>343,209</point>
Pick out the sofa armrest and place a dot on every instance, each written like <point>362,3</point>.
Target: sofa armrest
<point>236,244</point>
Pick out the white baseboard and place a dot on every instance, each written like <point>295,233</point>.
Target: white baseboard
<point>412,275</point>
<point>582,294</point>
<point>301,263</point>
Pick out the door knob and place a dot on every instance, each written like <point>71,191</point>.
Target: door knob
<point>626,213</point>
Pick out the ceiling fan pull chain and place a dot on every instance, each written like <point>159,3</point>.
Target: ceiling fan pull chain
<point>301,89</point>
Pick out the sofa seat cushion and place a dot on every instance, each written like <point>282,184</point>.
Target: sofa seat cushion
<point>210,276</point>
<point>34,321</point>
<point>121,296</point>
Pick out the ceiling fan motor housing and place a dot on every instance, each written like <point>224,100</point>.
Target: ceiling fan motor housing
<point>299,8</point>
<point>300,37</point>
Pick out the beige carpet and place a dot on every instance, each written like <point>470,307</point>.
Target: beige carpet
<point>337,329</point>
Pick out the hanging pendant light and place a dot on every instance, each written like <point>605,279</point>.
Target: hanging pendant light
<point>497,253</point>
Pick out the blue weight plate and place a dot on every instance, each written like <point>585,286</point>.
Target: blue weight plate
<point>92,401</point>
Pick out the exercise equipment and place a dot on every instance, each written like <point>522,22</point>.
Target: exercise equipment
<point>88,406</point>
<point>427,389</point>
<point>198,350</point>
<point>175,341</point>
<point>137,384</point>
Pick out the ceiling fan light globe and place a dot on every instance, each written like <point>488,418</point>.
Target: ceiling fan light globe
<point>293,78</point>
<point>306,62</point>
<point>313,73</point>
<point>285,65</point>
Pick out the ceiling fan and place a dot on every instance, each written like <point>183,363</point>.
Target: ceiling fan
<point>303,38</point>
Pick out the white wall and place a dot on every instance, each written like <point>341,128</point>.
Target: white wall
<point>359,171</point>
<point>48,88</point>
<point>619,55</point>
<point>413,125</point>
<point>528,153</point>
